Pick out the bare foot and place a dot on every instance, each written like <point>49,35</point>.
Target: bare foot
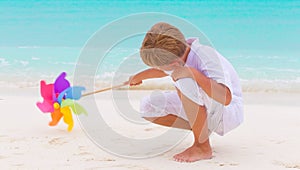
<point>194,153</point>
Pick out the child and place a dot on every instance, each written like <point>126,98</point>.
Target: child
<point>208,88</point>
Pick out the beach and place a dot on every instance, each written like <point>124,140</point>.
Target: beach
<point>97,44</point>
<point>267,139</point>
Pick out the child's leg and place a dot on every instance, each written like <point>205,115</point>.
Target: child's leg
<point>154,109</point>
<point>164,109</point>
<point>170,121</point>
<point>197,117</point>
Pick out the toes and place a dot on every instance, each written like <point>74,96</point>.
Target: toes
<point>180,158</point>
<point>177,158</point>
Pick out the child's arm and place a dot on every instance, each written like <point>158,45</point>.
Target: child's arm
<point>217,91</point>
<point>146,74</point>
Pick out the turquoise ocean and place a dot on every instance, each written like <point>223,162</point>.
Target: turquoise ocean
<point>41,38</point>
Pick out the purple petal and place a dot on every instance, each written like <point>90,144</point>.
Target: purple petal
<point>61,83</point>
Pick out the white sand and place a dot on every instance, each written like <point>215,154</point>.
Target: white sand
<point>269,138</point>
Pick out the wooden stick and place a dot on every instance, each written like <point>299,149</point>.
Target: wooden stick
<point>105,89</point>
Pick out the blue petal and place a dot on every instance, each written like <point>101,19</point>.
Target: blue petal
<point>74,92</point>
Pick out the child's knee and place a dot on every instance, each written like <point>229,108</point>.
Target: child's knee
<point>146,108</point>
<point>145,104</point>
<point>191,99</point>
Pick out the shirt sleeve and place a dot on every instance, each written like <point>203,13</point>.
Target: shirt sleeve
<point>213,65</point>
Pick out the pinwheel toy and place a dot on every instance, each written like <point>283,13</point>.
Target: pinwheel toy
<point>59,100</point>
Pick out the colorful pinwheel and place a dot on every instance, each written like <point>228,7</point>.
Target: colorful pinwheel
<point>59,98</point>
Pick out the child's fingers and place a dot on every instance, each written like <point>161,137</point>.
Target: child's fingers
<point>135,83</point>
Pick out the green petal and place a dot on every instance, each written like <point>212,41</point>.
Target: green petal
<point>76,108</point>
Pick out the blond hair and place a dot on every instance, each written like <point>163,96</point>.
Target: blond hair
<point>162,44</point>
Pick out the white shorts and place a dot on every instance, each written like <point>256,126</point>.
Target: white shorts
<point>160,104</point>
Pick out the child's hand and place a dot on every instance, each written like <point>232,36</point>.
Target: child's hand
<point>134,81</point>
<point>181,72</point>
